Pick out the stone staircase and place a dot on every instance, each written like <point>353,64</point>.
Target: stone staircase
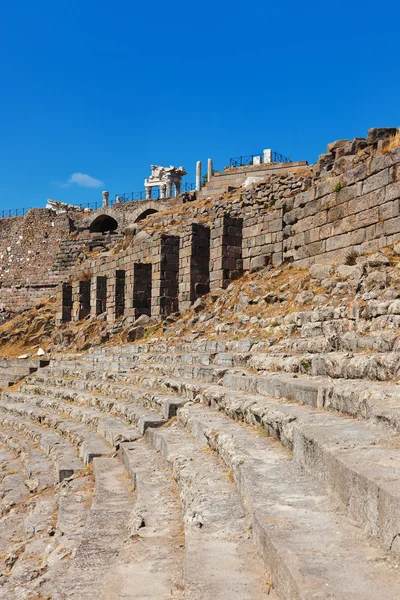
<point>13,370</point>
<point>227,469</point>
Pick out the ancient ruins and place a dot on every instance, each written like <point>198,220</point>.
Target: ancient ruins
<point>200,390</point>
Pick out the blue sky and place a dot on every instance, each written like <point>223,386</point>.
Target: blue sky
<point>105,89</point>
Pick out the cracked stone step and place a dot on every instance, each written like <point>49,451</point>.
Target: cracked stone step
<point>373,400</point>
<point>51,411</point>
<point>13,476</point>
<point>358,461</point>
<point>217,534</point>
<point>310,549</point>
<point>104,536</point>
<point>151,563</point>
<point>62,453</point>
<point>117,386</point>
<point>52,528</point>
<point>124,411</point>
<point>39,469</point>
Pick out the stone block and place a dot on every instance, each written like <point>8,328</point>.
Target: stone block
<point>376,181</point>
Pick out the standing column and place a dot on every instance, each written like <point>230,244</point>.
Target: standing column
<point>198,175</point>
<point>267,156</point>
<point>148,192</point>
<point>210,170</point>
<point>105,199</point>
<point>169,189</point>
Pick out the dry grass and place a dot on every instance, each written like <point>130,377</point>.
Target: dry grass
<point>392,143</point>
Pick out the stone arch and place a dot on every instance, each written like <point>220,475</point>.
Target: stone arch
<point>103,223</point>
<point>144,214</point>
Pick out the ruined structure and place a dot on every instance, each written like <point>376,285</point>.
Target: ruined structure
<point>246,446</point>
<point>297,215</point>
<point>165,178</point>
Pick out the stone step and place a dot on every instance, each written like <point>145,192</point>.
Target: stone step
<point>376,401</point>
<point>151,563</point>
<point>62,453</point>
<point>359,462</point>
<point>217,534</point>
<point>338,365</point>
<point>39,469</point>
<point>113,429</point>
<point>13,476</point>
<point>337,450</point>
<point>104,535</point>
<point>112,386</point>
<point>310,549</point>
<point>116,428</point>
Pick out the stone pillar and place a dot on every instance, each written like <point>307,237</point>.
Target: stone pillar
<point>194,264</point>
<point>165,257</point>
<point>75,300</point>
<point>198,176</point>
<point>169,189</point>
<point>64,303</point>
<point>163,189</point>
<point>177,188</point>
<point>210,170</point>
<point>117,199</point>
<point>148,192</point>
<point>267,156</point>
<point>226,262</point>
<point>105,199</point>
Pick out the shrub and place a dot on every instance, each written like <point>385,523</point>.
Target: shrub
<point>351,257</point>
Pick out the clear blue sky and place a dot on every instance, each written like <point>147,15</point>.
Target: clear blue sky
<point>105,89</point>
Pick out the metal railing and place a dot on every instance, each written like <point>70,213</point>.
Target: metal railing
<point>279,158</point>
<point>14,212</point>
<point>134,196</point>
<point>130,197</point>
<point>244,161</point>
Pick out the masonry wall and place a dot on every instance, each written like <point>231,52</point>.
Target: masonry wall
<point>350,199</point>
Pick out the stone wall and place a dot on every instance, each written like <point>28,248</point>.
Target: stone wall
<point>235,177</point>
<point>350,199</point>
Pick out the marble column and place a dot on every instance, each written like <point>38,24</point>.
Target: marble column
<point>105,199</point>
<point>210,170</point>
<point>198,176</point>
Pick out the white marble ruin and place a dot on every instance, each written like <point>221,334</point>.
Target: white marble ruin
<point>63,207</point>
<point>165,178</point>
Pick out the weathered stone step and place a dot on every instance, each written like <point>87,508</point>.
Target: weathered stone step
<point>13,490</point>
<point>216,526</point>
<point>309,548</point>
<point>60,451</point>
<point>151,562</point>
<point>358,461</point>
<point>377,366</point>
<point>351,341</point>
<point>367,400</point>
<point>39,469</point>
<point>104,536</point>
<point>74,499</point>
<point>113,429</point>
<point>114,386</point>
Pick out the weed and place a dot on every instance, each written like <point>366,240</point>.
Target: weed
<point>351,256</point>
<point>392,142</point>
<point>337,187</point>
<point>305,364</point>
